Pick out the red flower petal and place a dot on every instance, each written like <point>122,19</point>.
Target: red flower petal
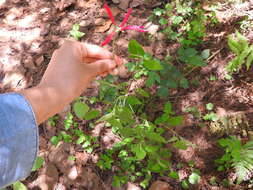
<point>109,12</point>
<point>108,38</point>
<point>126,18</point>
<point>134,27</point>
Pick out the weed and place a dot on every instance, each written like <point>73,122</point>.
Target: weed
<point>243,52</point>
<point>237,156</point>
<point>75,33</point>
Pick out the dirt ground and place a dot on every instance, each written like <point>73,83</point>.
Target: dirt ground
<point>31,30</point>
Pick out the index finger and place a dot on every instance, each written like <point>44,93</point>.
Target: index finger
<point>94,51</point>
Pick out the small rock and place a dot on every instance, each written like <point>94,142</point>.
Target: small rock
<point>124,4</point>
<point>85,23</point>
<point>73,173</point>
<point>131,186</point>
<point>39,60</point>
<point>160,185</point>
<point>44,10</point>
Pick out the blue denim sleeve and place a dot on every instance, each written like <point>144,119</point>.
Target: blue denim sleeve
<point>18,138</point>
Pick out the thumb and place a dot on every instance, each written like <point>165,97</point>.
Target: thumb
<point>101,66</point>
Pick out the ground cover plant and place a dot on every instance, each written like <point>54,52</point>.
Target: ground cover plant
<point>178,115</point>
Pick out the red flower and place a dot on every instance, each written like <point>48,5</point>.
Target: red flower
<point>122,26</point>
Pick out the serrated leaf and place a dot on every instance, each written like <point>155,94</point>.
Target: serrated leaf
<point>132,100</point>
<point>92,114</point>
<point>139,151</point>
<point>152,65</point>
<point>38,163</point>
<point>155,137</point>
<point>152,79</point>
<point>135,49</point>
<point>80,109</point>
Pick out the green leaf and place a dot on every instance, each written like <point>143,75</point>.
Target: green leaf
<point>180,145</point>
<point>106,117</point>
<point>211,117</point>
<point>167,108</point>
<point>19,186</point>
<point>205,53</point>
<point>80,109</point>
<point>81,139</point>
<point>175,121</point>
<point>209,106</point>
<point>135,49</point>
<point>184,83</point>
<point>155,137</point>
<point>132,100</point>
<point>194,178</point>
<point>139,151</point>
<point>38,163</point>
<point>185,184</point>
<point>55,140</point>
<point>66,138</point>
<point>92,114</point>
<point>76,27</point>
<point>143,92</point>
<point>163,92</point>
<point>153,77</point>
<point>152,65</point>
<point>158,11</point>
<point>163,21</point>
<point>176,20</point>
<point>174,175</point>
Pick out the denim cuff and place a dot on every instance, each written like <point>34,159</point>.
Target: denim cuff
<point>18,138</point>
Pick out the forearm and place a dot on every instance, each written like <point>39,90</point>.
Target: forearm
<point>46,101</point>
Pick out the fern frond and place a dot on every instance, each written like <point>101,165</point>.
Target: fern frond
<point>242,41</point>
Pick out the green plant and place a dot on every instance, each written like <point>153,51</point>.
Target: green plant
<point>243,53</point>
<point>53,120</point>
<point>237,156</point>
<point>19,186</point>
<point>211,116</point>
<point>193,179</point>
<point>38,163</point>
<point>75,33</point>
<point>183,21</point>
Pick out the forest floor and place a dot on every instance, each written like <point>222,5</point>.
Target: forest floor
<point>31,30</point>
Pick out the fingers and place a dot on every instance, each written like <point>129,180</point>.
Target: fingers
<point>102,66</point>
<point>94,51</point>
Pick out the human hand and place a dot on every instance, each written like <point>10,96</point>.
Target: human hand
<point>71,69</point>
<point>75,64</point>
